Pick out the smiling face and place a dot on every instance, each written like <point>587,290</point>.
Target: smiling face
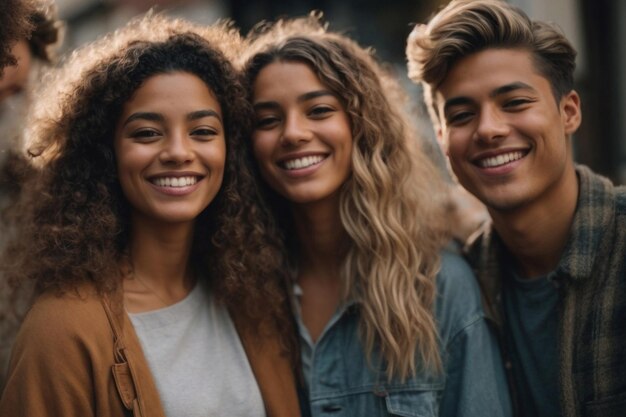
<point>506,136</point>
<point>302,138</point>
<point>170,148</point>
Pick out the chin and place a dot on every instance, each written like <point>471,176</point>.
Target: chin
<point>299,199</point>
<point>504,203</point>
<point>178,217</point>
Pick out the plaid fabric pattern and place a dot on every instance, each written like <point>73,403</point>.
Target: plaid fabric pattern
<point>592,276</point>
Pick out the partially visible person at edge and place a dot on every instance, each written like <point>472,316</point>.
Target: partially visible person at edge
<point>14,25</point>
<point>34,52</point>
<point>552,264</point>
<point>158,291</point>
<point>389,322</point>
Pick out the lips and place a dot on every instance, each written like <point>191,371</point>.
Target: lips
<point>175,182</point>
<point>501,159</point>
<point>301,162</point>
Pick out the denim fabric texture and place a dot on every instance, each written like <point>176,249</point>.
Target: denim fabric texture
<point>342,383</point>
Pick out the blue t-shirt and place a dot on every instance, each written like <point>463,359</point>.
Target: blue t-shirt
<point>531,309</point>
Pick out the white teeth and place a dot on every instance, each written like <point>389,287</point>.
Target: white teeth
<point>174,181</point>
<point>496,161</point>
<point>304,162</point>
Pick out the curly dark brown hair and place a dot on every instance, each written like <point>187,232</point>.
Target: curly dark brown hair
<point>75,218</point>
<point>15,24</point>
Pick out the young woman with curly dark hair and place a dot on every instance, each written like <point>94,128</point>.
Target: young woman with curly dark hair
<point>34,51</point>
<point>159,292</point>
<point>390,323</point>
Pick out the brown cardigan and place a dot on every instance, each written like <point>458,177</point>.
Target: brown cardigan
<point>75,357</point>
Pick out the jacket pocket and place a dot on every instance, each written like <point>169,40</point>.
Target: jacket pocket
<point>613,406</point>
<point>413,403</point>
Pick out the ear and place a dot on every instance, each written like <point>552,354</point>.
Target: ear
<point>570,111</point>
<point>441,139</point>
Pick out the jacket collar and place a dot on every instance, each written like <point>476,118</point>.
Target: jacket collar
<point>272,369</point>
<point>595,211</point>
<point>594,215</point>
<point>131,371</point>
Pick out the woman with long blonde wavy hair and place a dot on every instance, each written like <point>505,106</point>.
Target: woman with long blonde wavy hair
<point>390,323</point>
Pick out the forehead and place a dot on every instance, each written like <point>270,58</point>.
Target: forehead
<point>177,89</point>
<point>286,77</point>
<point>483,72</point>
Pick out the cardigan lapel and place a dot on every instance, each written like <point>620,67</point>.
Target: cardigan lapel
<point>273,371</point>
<point>131,372</point>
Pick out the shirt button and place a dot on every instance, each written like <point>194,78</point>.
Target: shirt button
<point>508,365</point>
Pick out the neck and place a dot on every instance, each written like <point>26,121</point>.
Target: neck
<point>160,254</point>
<point>321,237</point>
<point>536,234</point>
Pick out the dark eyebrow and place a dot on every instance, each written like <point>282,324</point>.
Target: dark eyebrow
<point>458,101</point>
<point>510,87</point>
<point>304,97</point>
<point>203,113</point>
<point>314,94</point>
<point>154,117</point>
<point>265,105</point>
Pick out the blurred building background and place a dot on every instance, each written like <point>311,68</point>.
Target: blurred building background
<point>592,25</point>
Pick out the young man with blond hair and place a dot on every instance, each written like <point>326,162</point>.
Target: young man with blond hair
<point>552,264</point>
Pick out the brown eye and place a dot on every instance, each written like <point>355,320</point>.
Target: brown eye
<point>459,117</point>
<point>321,110</point>
<point>266,122</point>
<point>204,131</point>
<point>518,102</point>
<point>145,134</point>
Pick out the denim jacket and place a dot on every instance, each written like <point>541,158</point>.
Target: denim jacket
<point>341,383</point>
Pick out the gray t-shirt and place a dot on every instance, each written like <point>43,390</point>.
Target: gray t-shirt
<point>531,308</point>
<point>197,360</point>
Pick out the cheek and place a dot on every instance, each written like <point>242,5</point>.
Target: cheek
<point>219,153</point>
<point>130,160</point>
<point>214,158</point>
<point>348,156</point>
<point>262,150</point>
<point>129,191</point>
<point>454,146</point>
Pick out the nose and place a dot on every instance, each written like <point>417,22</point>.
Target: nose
<point>177,149</point>
<point>295,131</point>
<point>492,124</point>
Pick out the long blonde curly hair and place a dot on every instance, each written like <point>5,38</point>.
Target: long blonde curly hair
<point>394,203</point>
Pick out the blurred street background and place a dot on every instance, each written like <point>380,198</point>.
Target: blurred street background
<point>592,25</point>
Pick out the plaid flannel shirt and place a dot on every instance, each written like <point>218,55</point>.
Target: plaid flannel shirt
<point>592,276</point>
